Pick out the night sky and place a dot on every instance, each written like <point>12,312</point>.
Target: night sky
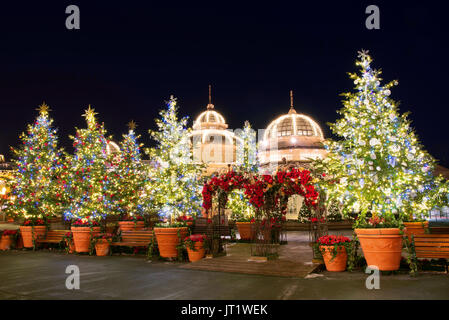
<point>130,56</point>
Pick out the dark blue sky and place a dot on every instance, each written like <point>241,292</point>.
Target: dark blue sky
<point>129,57</point>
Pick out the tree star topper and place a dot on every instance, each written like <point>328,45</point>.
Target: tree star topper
<point>132,125</point>
<point>90,115</point>
<point>43,109</point>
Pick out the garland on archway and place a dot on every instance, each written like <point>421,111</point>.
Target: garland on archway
<point>264,192</point>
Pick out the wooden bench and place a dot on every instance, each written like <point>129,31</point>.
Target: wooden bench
<point>52,236</point>
<point>434,246</point>
<point>141,238</point>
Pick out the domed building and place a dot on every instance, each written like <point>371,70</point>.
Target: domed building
<point>212,143</point>
<point>292,139</point>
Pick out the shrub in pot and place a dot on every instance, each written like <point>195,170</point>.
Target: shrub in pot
<point>32,229</point>
<point>132,222</point>
<point>7,238</point>
<point>381,242</point>
<point>83,231</point>
<point>196,246</point>
<point>334,251</point>
<point>414,225</point>
<point>186,219</point>
<point>169,237</point>
<point>102,242</point>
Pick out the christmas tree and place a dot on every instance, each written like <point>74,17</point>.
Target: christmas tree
<point>378,167</point>
<point>176,180</point>
<point>87,180</point>
<point>247,160</point>
<point>247,164</point>
<point>305,213</point>
<point>39,162</point>
<point>129,178</point>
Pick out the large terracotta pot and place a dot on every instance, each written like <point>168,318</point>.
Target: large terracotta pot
<point>131,225</point>
<point>102,247</point>
<point>82,237</point>
<point>167,240</point>
<point>198,254</point>
<point>414,228</point>
<point>5,242</point>
<point>246,230</point>
<point>338,264</point>
<point>381,247</point>
<point>32,233</point>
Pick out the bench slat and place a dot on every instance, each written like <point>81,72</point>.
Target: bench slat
<point>130,244</point>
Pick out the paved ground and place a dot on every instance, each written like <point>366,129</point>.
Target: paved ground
<point>41,275</point>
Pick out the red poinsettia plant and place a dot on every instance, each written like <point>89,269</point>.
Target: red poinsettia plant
<point>186,219</point>
<point>316,220</point>
<point>30,222</point>
<point>190,241</point>
<point>8,233</point>
<point>134,217</point>
<point>335,242</point>
<point>85,223</point>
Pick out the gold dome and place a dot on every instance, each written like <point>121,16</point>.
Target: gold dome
<point>294,125</point>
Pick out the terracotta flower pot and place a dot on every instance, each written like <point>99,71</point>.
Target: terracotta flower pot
<point>71,246</point>
<point>338,264</point>
<point>102,247</point>
<point>196,255</point>
<point>246,230</point>
<point>32,233</point>
<point>131,225</point>
<point>5,242</point>
<point>167,240</point>
<point>414,228</point>
<point>381,247</point>
<point>82,237</point>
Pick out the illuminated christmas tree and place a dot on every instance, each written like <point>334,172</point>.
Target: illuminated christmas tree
<point>88,176</point>
<point>129,177</point>
<point>247,163</point>
<point>247,160</point>
<point>176,181</point>
<point>39,162</point>
<point>378,167</point>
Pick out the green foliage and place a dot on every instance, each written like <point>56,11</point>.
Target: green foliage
<point>129,177</point>
<point>88,180</point>
<point>176,181</point>
<point>377,166</point>
<point>39,163</point>
<point>305,214</point>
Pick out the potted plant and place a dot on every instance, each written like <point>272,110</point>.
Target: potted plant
<point>195,245</point>
<point>187,219</point>
<point>381,241</point>
<point>32,229</point>
<point>7,237</point>
<point>68,239</point>
<point>245,226</point>
<point>414,225</point>
<point>132,222</point>
<point>169,236</point>
<point>334,251</point>
<point>83,231</point>
<point>101,242</point>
